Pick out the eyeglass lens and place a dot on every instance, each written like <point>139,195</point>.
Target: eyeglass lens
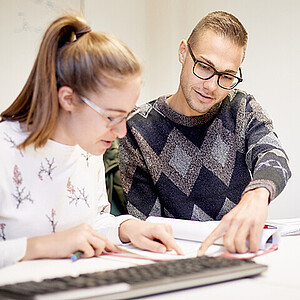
<point>205,71</point>
<point>115,121</point>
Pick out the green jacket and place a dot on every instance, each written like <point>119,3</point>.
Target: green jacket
<point>113,180</point>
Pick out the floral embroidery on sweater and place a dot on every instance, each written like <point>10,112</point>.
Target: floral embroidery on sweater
<point>52,220</point>
<point>21,194</point>
<point>2,233</point>
<point>86,155</point>
<point>13,143</point>
<point>47,169</point>
<point>76,196</point>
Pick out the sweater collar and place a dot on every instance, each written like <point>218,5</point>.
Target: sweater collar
<point>162,106</point>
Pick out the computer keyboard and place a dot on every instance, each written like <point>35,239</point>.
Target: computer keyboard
<point>133,282</point>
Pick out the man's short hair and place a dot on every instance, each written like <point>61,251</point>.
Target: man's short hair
<point>223,24</point>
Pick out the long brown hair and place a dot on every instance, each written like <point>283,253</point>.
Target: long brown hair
<point>69,55</point>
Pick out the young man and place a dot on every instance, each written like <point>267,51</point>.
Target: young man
<point>209,151</point>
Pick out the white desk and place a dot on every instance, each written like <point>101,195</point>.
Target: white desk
<point>280,281</point>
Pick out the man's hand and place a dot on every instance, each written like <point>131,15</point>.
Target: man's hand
<point>148,236</point>
<point>243,223</point>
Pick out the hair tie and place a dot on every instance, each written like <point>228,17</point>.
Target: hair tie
<point>82,31</point>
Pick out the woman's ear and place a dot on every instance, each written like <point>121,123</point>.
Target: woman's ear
<point>65,98</point>
<point>182,51</point>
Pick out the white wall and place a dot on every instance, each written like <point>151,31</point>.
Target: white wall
<point>22,23</point>
<point>154,29</point>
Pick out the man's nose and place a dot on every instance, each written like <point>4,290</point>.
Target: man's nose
<point>211,84</point>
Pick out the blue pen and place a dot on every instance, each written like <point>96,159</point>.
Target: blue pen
<point>76,255</point>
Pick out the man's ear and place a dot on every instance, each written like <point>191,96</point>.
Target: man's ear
<point>65,98</point>
<point>182,51</point>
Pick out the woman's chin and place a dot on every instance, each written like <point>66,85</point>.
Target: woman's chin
<point>95,150</point>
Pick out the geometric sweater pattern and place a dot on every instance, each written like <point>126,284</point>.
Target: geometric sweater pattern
<point>198,167</point>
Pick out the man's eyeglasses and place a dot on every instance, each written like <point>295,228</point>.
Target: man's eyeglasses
<point>112,121</point>
<point>205,71</point>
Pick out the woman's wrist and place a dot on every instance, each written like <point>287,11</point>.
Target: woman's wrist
<point>31,249</point>
<point>36,248</point>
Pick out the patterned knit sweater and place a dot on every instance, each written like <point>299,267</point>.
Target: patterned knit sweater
<point>199,167</point>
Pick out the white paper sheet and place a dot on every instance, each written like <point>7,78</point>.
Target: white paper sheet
<point>286,227</point>
<point>198,231</point>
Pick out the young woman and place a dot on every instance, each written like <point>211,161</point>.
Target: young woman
<point>81,90</point>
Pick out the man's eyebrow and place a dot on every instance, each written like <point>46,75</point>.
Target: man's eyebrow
<point>213,65</point>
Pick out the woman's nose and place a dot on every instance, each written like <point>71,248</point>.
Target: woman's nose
<point>120,129</point>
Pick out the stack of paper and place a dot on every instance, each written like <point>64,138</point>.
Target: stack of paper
<point>286,227</point>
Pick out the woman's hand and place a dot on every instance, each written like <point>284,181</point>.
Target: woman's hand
<point>148,236</point>
<point>65,243</point>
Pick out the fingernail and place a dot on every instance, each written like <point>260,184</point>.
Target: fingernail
<point>161,249</point>
<point>180,252</point>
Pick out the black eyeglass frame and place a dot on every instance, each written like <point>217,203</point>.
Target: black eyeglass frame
<point>240,79</point>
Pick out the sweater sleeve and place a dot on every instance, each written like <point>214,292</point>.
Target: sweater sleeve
<point>265,157</point>
<point>139,191</point>
<point>108,225</point>
<point>11,251</point>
